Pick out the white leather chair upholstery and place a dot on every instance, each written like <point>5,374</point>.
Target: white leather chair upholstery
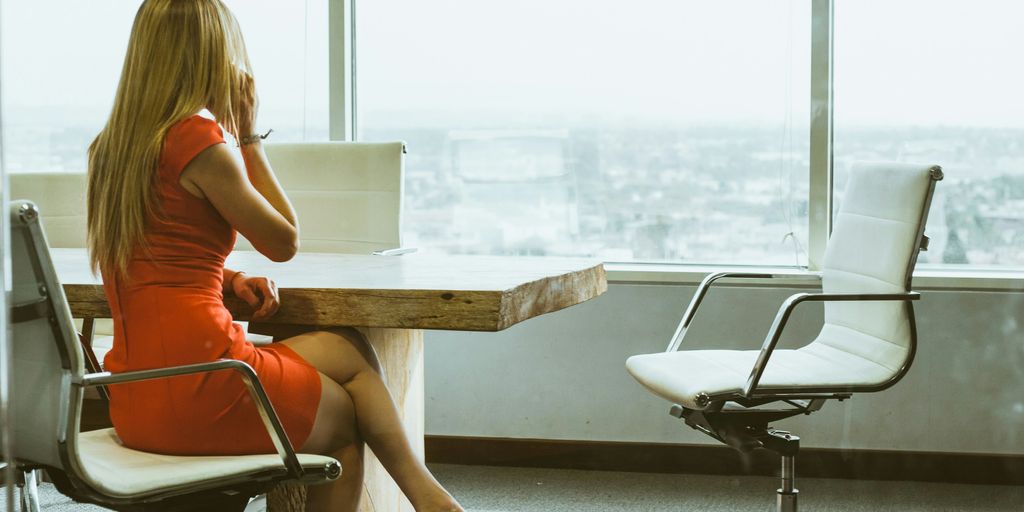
<point>347,195</point>
<point>867,342</point>
<point>48,379</point>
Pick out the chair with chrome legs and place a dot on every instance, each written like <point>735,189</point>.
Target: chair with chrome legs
<point>48,379</point>
<point>866,344</point>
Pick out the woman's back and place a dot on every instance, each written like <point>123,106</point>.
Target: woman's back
<point>187,239</point>
<point>168,310</point>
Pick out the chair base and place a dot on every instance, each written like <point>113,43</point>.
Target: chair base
<point>747,429</point>
<point>786,502</point>
<point>29,490</point>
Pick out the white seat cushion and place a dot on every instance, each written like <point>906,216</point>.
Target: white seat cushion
<point>122,472</point>
<point>681,376</point>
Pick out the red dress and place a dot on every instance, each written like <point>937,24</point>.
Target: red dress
<point>169,311</point>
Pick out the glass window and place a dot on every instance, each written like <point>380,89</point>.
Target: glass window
<point>939,82</point>
<point>287,43</point>
<point>652,130</point>
<point>63,59</point>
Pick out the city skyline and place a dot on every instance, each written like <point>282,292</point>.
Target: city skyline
<point>710,195</point>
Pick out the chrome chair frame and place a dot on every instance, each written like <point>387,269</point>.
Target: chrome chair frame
<point>69,480</point>
<point>736,419</point>
<point>750,392</point>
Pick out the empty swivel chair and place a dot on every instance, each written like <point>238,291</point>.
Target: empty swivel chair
<point>866,344</point>
<point>347,195</point>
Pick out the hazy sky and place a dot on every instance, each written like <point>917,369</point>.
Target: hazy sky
<point>897,61</point>
<point>649,58</point>
<point>69,53</point>
<point>916,61</point>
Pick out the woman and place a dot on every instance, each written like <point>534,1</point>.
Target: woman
<point>166,197</point>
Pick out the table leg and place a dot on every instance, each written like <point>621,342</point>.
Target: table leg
<point>400,352</point>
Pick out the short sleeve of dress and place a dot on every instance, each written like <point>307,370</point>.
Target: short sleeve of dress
<point>185,140</point>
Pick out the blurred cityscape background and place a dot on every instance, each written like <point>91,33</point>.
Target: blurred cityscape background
<point>723,195</point>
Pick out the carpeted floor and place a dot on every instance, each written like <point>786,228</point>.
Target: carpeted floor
<point>522,489</point>
<point>489,489</point>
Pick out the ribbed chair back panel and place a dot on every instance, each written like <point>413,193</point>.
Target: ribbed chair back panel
<point>873,246</point>
<point>347,195</point>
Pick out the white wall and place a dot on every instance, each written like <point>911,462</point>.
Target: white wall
<point>562,375</point>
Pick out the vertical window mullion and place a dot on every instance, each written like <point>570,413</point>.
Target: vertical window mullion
<point>341,39</point>
<point>820,189</point>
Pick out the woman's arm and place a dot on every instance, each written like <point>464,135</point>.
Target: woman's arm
<point>258,209</point>
<point>263,180</point>
<point>249,198</point>
<point>229,277</point>
<point>257,166</point>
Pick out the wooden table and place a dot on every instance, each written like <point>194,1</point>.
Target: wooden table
<point>391,300</point>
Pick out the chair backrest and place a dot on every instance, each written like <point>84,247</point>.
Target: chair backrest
<point>47,355</point>
<point>876,237</point>
<point>348,195</point>
<point>60,197</point>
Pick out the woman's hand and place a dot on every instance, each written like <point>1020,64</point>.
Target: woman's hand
<point>258,292</point>
<point>245,107</point>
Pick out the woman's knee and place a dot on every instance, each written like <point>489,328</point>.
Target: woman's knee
<point>340,353</point>
<point>353,339</point>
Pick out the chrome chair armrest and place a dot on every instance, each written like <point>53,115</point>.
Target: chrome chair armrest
<point>775,331</point>
<point>252,382</point>
<point>702,290</point>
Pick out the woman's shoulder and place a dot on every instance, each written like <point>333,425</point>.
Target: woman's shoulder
<point>186,139</point>
<point>194,126</point>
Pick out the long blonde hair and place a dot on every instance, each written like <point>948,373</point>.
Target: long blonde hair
<point>183,56</point>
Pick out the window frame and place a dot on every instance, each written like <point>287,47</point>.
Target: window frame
<point>343,127</point>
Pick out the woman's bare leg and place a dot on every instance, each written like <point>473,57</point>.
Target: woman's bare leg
<point>335,433</point>
<point>341,355</point>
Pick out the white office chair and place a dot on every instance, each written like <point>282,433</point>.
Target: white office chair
<point>347,195</point>
<point>48,379</point>
<point>867,342</point>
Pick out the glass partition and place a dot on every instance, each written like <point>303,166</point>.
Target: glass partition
<point>5,270</point>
